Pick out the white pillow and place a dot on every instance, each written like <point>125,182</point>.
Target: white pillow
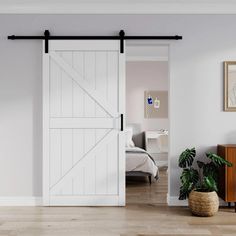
<point>128,137</point>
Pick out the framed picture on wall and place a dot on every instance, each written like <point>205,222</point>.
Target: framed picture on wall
<point>155,104</point>
<point>230,86</point>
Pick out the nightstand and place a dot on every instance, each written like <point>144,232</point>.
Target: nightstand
<point>156,144</point>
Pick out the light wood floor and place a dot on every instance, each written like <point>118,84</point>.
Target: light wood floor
<point>139,191</point>
<point>146,214</point>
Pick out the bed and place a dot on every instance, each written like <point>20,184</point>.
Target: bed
<point>138,161</point>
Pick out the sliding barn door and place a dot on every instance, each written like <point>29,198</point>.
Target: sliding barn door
<point>83,144</point>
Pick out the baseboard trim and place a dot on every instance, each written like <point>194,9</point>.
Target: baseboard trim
<point>38,201</point>
<point>20,201</point>
<point>174,201</point>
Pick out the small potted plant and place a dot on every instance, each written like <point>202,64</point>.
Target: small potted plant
<point>199,184</point>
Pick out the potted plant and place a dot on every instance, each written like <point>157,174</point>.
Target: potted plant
<point>199,182</point>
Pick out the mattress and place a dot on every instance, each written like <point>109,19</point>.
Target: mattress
<point>138,160</point>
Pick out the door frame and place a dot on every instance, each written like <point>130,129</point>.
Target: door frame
<point>153,44</point>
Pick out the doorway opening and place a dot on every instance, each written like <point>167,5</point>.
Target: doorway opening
<point>147,122</point>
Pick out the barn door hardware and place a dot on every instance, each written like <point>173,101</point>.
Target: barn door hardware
<point>122,37</point>
<point>47,35</point>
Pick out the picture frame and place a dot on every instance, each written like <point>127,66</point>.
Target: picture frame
<point>230,86</point>
<point>155,104</point>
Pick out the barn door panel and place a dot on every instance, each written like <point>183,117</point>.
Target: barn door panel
<point>83,145</point>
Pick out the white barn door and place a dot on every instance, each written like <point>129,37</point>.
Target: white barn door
<point>83,145</point>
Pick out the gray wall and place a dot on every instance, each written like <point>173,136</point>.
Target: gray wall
<point>196,86</point>
<point>142,76</point>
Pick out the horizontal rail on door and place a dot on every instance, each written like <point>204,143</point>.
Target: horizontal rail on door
<point>72,37</point>
<point>47,36</point>
<point>176,37</point>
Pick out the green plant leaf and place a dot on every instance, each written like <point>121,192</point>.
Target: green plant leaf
<point>209,184</point>
<point>189,178</point>
<point>210,169</point>
<point>217,160</point>
<point>186,158</point>
<point>183,193</point>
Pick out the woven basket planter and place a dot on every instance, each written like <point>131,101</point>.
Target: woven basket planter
<point>203,203</point>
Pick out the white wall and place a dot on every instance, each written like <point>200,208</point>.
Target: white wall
<point>196,86</point>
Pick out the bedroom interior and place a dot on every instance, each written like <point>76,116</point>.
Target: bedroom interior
<point>147,122</point>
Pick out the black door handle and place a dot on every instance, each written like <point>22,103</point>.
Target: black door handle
<point>121,122</point>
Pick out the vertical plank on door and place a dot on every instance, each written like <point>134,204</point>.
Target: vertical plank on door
<point>67,111</point>
<point>121,135</point>
<point>89,172</point>
<point>55,90</point>
<point>89,76</point>
<point>89,111</point>
<point>89,175</point>
<point>101,88</point>
<point>78,153</point>
<point>79,182</point>
<point>101,80</point>
<point>45,126</point>
<point>66,157</point>
<point>112,74</point>
<point>55,156</point>
<point>112,150</point>
<point>67,88</point>
<point>101,164</point>
<point>112,163</point>
<point>78,92</point>
<point>78,134</point>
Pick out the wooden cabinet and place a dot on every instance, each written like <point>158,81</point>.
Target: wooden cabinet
<point>227,176</point>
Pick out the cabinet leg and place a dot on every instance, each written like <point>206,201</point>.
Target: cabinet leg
<point>229,204</point>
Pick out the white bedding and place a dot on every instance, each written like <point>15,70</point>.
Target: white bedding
<point>137,159</point>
